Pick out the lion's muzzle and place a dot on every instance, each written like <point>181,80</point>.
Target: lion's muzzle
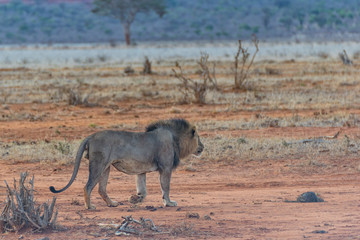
<point>199,149</point>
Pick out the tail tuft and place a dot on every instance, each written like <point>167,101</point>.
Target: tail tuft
<point>52,189</point>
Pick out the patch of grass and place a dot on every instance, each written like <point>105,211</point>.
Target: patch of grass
<point>63,147</point>
<point>304,85</point>
<point>60,152</point>
<point>229,150</point>
<point>223,150</point>
<point>263,121</point>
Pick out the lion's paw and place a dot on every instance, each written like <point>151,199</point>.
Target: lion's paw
<point>134,199</point>
<point>113,204</point>
<point>170,204</point>
<point>91,207</point>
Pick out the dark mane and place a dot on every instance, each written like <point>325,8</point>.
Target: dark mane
<point>177,127</point>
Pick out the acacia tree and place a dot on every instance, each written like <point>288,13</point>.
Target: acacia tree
<point>126,10</point>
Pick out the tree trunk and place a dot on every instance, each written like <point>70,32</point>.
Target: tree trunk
<point>127,33</point>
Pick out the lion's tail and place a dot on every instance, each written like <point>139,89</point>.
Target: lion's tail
<point>76,166</point>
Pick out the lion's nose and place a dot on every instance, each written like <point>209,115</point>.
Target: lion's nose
<point>200,149</point>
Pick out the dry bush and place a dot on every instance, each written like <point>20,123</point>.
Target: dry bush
<point>129,70</point>
<point>356,55</point>
<point>147,66</point>
<point>345,58</point>
<point>323,55</point>
<point>272,71</point>
<point>197,89</point>
<point>103,58</point>
<point>241,72</point>
<point>5,94</point>
<point>76,95</point>
<point>21,210</point>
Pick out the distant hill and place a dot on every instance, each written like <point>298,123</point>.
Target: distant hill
<point>60,21</point>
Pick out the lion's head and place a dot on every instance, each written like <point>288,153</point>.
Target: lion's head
<point>185,135</point>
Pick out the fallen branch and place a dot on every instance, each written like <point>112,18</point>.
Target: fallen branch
<point>131,226</point>
<point>316,140</point>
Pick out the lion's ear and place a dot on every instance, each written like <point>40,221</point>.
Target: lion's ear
<point>193,130</point>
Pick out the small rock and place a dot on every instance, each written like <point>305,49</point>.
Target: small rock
<point>207,217</point>
<point>151,208</point>
<point>320,231</point>
<point>193,215</point>
<point>44,238</point>
<point>309,197</point>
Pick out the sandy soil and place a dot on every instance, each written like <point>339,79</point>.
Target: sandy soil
<point>244,200</point>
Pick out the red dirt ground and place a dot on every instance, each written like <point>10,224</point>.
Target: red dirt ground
<point>245,200</point>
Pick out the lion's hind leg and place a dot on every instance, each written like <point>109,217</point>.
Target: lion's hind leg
<point>97,167</point>
<point>102,189</point>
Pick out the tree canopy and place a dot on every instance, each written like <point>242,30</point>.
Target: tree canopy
<point>126,10</point>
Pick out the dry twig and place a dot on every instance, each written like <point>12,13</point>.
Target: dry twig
<point>320,139</point>
<point>127,226</point>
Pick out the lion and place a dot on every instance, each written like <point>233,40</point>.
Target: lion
<point>159,148</point>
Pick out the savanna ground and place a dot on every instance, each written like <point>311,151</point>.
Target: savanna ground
<point>263,146</point>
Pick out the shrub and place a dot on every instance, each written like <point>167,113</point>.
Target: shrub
<point>241,73</point>
<point>197,88</point>
<point>22,211</point>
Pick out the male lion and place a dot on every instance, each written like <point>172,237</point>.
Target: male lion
<point>137,153</point>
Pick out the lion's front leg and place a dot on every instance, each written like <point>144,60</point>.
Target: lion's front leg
<point>140,188</point>
<point>165,177</point>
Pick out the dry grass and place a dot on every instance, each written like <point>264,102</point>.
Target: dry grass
<point>317,86</point>
<point>258,121</point>
<point>224,149</point>
<point>60,152</point>
<point>296,85</point>
<point>230,150</point>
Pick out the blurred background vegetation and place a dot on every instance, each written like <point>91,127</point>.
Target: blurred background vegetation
<point>45,21</point>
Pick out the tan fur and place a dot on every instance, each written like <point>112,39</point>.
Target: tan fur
<point>137,153</point>
<point>188,146</point>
